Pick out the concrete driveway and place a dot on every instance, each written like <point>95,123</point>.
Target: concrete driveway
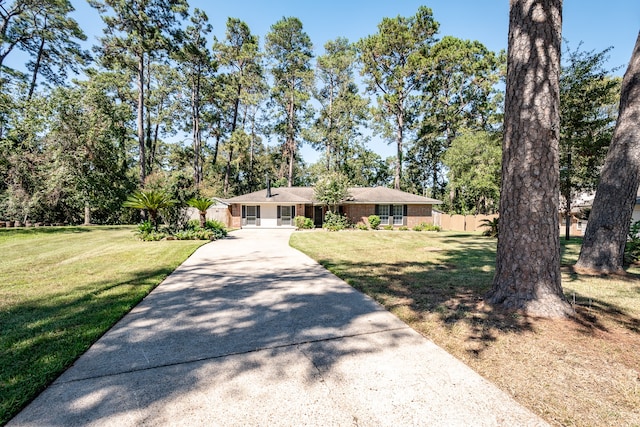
<point>250,332</point>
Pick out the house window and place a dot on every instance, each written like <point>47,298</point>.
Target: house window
<point>286,215</point>
<point>252,214</point>
<point>383,213</point>
<point>398,211</point>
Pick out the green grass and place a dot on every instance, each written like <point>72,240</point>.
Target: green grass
<point>381,264</point>
<point>61,289</point>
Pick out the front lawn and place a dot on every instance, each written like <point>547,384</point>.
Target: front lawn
<point>580,372</point>
<point>61,289</point>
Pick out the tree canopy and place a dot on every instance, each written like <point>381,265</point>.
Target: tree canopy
<point>161,105</point>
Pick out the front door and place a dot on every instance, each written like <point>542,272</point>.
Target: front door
<point>317,216</point>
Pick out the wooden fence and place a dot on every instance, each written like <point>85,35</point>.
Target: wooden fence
<point>461,222</point>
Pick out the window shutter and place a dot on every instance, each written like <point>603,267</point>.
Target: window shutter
<point>279,216</point>
<point>390,222</point>
<point>258,215</point>
<point>293,211</point>
<point>244,216</point>
<point>377,210</point>
<point>404,215</point>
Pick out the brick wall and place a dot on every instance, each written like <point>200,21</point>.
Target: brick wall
<point>417,214</point>
<point>359,213</point>
<point>236,215</point>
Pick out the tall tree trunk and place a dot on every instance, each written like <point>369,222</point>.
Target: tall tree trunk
<point>216,146</point>
<point>291,140</point>
<point>527,276</point>
<point>251,154</point>
<point>140,120</point>
<point>234,124</point>
<point>195,132</point>
<point>330,142</point>
<point>567,198</point>
<point>604,240</point>
<point>87,213</point>
<point>399,143</point>
<point>36,68</point>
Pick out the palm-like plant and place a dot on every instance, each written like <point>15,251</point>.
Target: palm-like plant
<point>492,227</point>
<point>201,204</point>
<point>151,201</point>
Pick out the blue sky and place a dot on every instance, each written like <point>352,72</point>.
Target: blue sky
<point>597,23</point>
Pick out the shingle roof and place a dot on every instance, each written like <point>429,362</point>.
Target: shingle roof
<point>387,195</point>
<point>358,195</point>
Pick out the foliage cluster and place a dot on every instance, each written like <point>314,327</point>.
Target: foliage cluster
<point>632,247</point>
<point>491,227</point>
<point>332,189</point>
<point>158,202</point>
<point>374,221</point>
<point>423,226</point>
<point>74,152</point>
<point>303,223</point>
<point>336,222</point>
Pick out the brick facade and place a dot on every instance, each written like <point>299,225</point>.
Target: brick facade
<point>417,214</point>
<point>357,213</point>
<point>236,215</point>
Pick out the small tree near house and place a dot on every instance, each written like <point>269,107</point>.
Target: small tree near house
<point>152,201</point>
<point>332,189</point>
<point>201,204</point>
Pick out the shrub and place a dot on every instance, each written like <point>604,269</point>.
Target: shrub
<point>335,222</point>
<point>146,232</point>
<point>492,227</point>
<point>198,234</point>
<point>213,230</point>
<point>374,221</point>
<point>145,227</point>
<point>632,247</point>
<point>423,226</point>
<point>388,227</point>
<point>192,224</point>
<point>403,228</point>
<point>303,223</point>
<point>218,229</point>
<point>362,226</point>
<point>153,236</point>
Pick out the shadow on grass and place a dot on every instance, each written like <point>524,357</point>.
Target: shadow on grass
<point>591,314</point>
<point>32,231</point>
<point>452,289</point>
<point>42,337</point>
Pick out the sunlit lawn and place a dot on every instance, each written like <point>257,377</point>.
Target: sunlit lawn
<point>583,372</point>
<point>61,288</point>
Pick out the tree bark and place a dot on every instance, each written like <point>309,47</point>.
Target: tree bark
<point>527,274</point>
<point>140,121</point>
<point>291,142</point>
<point>604,240</point>
<point>36,68</point>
